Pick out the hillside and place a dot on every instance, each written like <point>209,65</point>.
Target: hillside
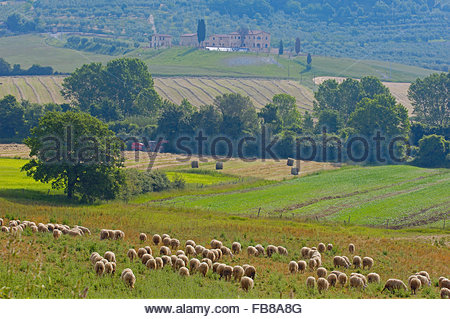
<point>402,31</point>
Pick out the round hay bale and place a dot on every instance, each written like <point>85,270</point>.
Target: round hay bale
<point>294,171</point>
<point>219,165</point>
<point>290,162</point>
<point>194,164</point>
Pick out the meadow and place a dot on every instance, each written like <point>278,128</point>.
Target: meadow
<point>34,265</point>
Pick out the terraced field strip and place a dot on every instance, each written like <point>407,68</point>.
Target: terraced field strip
<point>237,87</point>
<point>53,89</point>
<point>26,93</point>
<point>207,84</point>
<point>172,94</point>
<point>193,93</point>
<point>191,83</point>
<point>254,92</point>
<point>35,93</point>
<point>8,86</point>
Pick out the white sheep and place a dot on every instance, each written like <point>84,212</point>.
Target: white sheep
<point>109,268</point>
<point>104,234</point>
<point>301,266</point>
<point>142,237</point>
<point>342,278</point>
<point>164,250</point>
<point>99,268</point>
<point>179,263</point>
<point>151,264</point>
<point>203,268</point>
<point>252,251</point>
<point>321,247</point>
<point>166,260</point>
<point>322,285</point>
<point>321,272</point>
<point>332,279</point>
<point>250,271</point>
<point>132,254</point>
<point>208,261</point>
<point>184,271</point>
<point>56,233</point>
<point>227,272</point>
<point>356,282</point>
<point>6,229</point>
<point>194,263</point>
<point>373,278</point>
<point>110,256</point>
<point>414,284</point>
<point>141,252</point>
<point>148,249</point>
<point>260,249</point>
<point>166,241</point>
<point>310,282</point>
<point>246,283</point>
<point>282,251</point>
<point>445,293</point>
<point>1,222</point>
<point>357,261</point>
<point>216,244</point>
<point>312,263</point>
<point>339,261</point>
<point>199,249</point>
<point>190,250</point>
<point>159,263</point>
<point>393,283</point>
<point>238,272</point>
<point>236,248</point>
<point>156,239</point>
<point>190,242</point>
<point>351,248</point>
<point>145,258</point>
<point>174,243</point>
<point>330,247</point>
<point>128,278</point>
<point>367,262</point>
<point>305,251</point>
<point>293,267</point>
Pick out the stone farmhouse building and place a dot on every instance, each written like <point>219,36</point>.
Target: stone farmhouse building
<point>160,41</point>
<point>254,40</point>
<point>189,40</point>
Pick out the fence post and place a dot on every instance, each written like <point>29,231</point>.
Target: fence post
<point>259,210</point>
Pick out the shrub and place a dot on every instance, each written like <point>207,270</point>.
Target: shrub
<point>432,151</point>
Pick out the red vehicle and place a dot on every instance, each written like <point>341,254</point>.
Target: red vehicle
<point>137,146</point>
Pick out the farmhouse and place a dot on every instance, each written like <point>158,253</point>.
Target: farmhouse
<point>253,40</point>
<point>189,40</point>
<point>160,41</point>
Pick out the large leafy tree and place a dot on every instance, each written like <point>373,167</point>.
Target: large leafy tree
<point>75,152</point>
<point>430,98</point>
<point>123,87</point>
<point>11,117</point>
<point>239,114</point>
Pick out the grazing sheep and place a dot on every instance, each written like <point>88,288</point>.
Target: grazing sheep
<point>424,273</point>
<point>142,237</point>
<point>367,262</point>
<point>180,252</point>
<point>190,242</point>
<point>301,266</point>
<point>336,272</point>
<point>250,272</point>
<point>444,282</point>
<point>305,251</point>
<point>42,228</point>
<point>210,255</point>
<point>205,253</point>
<point>351,248</point>
<point>85,230</point>
<point>151,264</point>
<point>220,269</point>
<point>363,278</point>
<point>74,232</point>
<point>342,278</point>
<point>146,258</point>
<point>270,250</point>
<point>166,260</point>
<point>1,222</point>
<point>423,280</point>
<point>322,285</point>
<point>332,279</point>
<point>132,254</point>
<point>110,256</point>
<point>194,263</point>
<point>184,258</point>
<point>141,252</point>
<point>104,261</point>
<point>6,229</point>
<point>190,250</point>
<point>293,267</point>
<point>214,267</point>
<point>156,239</point>
<point>236,248</point>
<point>216,244</point>
<point>310,282</point>
<point>109,268</point>
<point>56,233</point>
<point>347,260</point>
<point>179,263</point>
<point>159,263</point>
<point>356,282</point>
<point>357,262</point>
<point>246,283</point>
<point>414,284</point>
<point>208,261</point>
<point>321,272</point>
<point>445,293</point>
<point>128,278</point>
<point>226,252</point>
<point>99,268</point>
<point>183,271</point>
<point>164,250</point>
<point>321,247</point>
<point>282,251</point>
<point>95,256</point>
<point>238,272</point>
<point>174,243</point>
<point>373,278</point>
<point>199,249</point>
<point>34,229</point>
<point>392,284</point>
<point>165,236</point>
<point>260,250</point>
<point>312,264</point>
<point>166,241</point>
<point>203,268</point>
<point>148,249</point>
<point>338,261</point>
<point>227,272</point>
<point>252,251</point>
<point>330,247</point>
<point>104,234</point>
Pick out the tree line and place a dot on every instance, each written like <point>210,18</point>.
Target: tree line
<point>7,70</point>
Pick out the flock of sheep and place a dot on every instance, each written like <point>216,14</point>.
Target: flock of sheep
<point>195,258</point>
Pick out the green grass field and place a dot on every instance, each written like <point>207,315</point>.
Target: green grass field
<point>34,265</point>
